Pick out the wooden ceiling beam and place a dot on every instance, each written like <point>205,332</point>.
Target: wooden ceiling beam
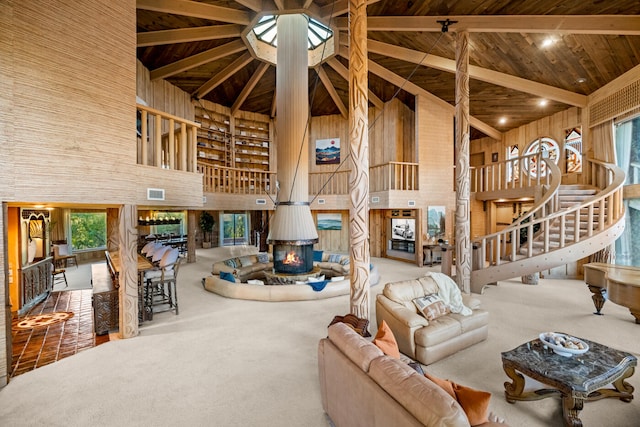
<point>196,9</point>
<point>198,59</point>
<point>332,91</point>
<point>479,73</point>
<point>255,5</point>
<point>337,8</point>
<point>557,24</point>
<point>186,35</point>
<point>413,89</point>
<point>223,75</point>
<point>344,73</point>
<point>251,84</point>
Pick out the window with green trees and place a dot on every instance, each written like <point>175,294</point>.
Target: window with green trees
<point>88,230</point>
<point>235,229</point>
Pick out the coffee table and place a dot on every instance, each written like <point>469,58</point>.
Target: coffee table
<point>594,375</point>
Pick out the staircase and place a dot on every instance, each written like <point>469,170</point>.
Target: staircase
<point>568,223</point>
<point>569,196</point>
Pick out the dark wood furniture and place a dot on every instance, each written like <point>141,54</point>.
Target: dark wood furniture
<point>105,299</point>
<point>619,283</point>
<point>578,379</point>
<point>36,282</point>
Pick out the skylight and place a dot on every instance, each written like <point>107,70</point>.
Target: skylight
<point>266,31</point>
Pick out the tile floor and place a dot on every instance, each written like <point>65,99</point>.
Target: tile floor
<point>33,348</point>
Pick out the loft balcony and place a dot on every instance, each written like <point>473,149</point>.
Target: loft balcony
<point>166,156</point>
<point>386,182</point>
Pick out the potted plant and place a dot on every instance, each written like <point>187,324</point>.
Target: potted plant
<point>206,225</point>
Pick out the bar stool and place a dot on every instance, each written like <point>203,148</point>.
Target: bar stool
<point>160,293</point>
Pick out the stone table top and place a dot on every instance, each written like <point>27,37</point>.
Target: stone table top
<point>583,373</point>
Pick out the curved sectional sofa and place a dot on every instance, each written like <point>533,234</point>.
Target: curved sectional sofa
<point>251,267</point>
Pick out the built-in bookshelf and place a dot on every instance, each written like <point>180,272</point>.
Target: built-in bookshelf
<point>214,137</point>
<point>251,144</point>
<point>233,141</point>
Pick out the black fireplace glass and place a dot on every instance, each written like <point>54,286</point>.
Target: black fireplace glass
<point>292,259</point>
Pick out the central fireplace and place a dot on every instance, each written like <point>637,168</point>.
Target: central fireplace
<point>292,259</point>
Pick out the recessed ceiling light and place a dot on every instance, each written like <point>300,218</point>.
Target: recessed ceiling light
<point>502,120</point>
<point>543,102</point>
<point>548,42</point>
<point>581,80</point>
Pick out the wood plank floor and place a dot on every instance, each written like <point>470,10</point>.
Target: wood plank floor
<point>33,348</point>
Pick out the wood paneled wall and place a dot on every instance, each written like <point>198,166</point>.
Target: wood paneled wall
<point>434,133</point>
<point>162,95</point>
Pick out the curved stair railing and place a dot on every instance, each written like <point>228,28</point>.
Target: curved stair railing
<point>566,235</point>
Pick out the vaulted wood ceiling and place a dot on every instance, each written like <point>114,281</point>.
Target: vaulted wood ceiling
<point>197,46</point>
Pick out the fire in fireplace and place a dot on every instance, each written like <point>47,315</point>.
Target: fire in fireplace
<point>292,259</point>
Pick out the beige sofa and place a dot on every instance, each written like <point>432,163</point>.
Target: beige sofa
<point>245,267</point>
<point>429,341</point>
<point>360,386</point>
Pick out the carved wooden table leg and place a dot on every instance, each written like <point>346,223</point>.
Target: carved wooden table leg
<point>571,407</point>
<point>599,297</point>
<point>515,390</point>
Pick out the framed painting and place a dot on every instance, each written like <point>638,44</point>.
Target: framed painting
<point>329,221</point>
<point>328,151</point>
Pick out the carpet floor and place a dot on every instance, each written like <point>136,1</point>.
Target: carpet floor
<point>227,362</point>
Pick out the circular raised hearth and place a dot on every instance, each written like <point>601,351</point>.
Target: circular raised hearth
<point>273,278</point>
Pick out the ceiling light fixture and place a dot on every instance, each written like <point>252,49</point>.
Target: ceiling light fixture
<point>581,80</point>
<point>502,120</point>
<point>543,102</point>
<point>548,42</point>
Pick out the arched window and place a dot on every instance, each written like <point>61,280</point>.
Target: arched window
<point>548,147</point>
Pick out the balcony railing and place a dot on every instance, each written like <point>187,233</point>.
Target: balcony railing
<point>390,176</point>
<point>520,172</point>
<point>394,176</point>
<point>166,141</point>
<point>222,179</point>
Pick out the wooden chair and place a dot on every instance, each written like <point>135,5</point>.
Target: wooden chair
<point>59,275</point>
<point>62,255</point>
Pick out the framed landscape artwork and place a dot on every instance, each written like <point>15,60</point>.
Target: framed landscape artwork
<point>436,222</point>
<point>329,221</point>
<point>328,151</point>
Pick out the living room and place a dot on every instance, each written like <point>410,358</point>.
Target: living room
<point>53,101</point>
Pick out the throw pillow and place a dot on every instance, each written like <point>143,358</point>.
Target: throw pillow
<point>231,263</point>
<point>345,261</point>
<point>386,341</point>
<point>475,403</point>
<point>417,367</point>
<point>335,258</point>
<point>225,275</point>
<point>317,256</point>
<point>357,324</point>
<point>245,261</point>
<point>431,306</point>
<point>263,257</point>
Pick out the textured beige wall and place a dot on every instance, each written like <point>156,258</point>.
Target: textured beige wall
<point>6,169</point>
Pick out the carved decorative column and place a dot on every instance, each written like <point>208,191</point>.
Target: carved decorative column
<point>359,144</point>
<point>191,236</point>
<point>463,212</point>
<point>128,276</point>
<point>113,233</point>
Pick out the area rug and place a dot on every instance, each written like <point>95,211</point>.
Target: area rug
<point>45,319</point>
